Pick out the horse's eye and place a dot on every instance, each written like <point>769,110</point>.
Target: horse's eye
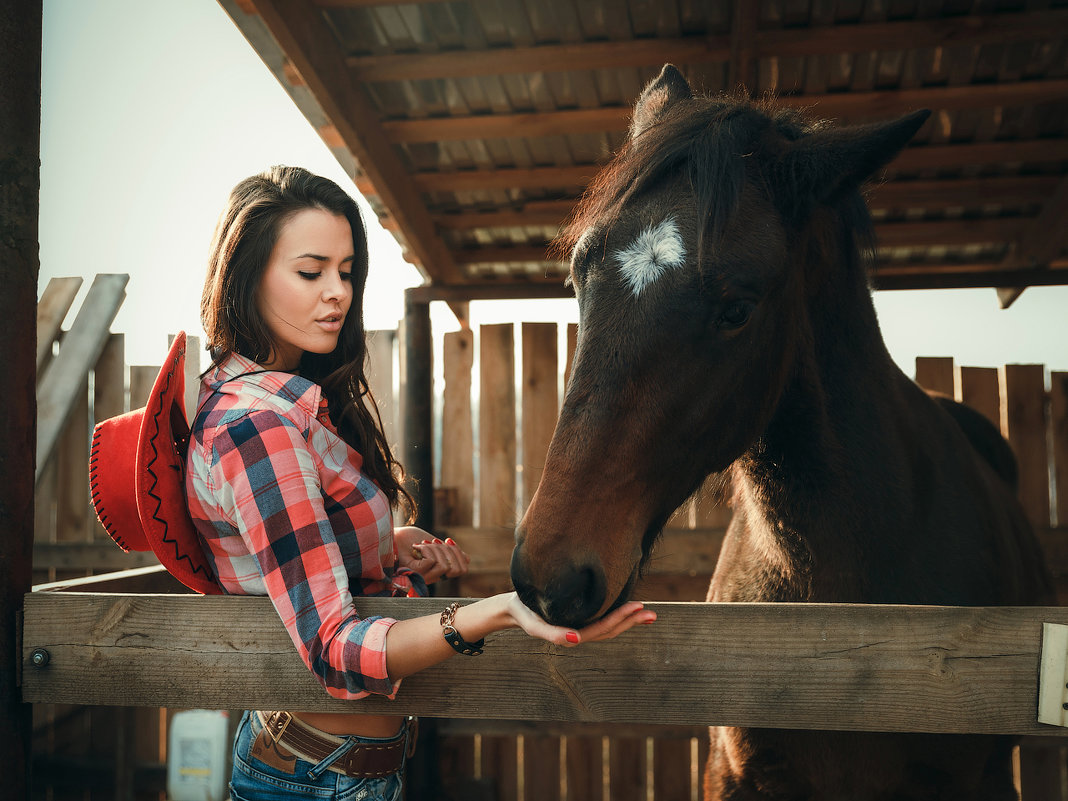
<point>736,314</point>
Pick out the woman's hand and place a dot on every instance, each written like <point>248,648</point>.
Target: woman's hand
<point>430,557</point>
<point>611,625</point>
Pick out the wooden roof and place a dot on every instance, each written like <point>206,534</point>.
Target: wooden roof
<point>472,127</point>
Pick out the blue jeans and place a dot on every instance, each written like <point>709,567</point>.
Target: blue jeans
<point>255,780</point>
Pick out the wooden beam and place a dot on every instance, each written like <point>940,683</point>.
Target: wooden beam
<point>970,30</point>
<point>1009,190</point>
<point>52,309</point>
<point>957,276</point>
<point>541,58</point>
<point>854,106</point>
<point>804,666</point>
<point>1039,242</point>
<point>896,234</point>
<point>312,47</point>
<point>913,159</point>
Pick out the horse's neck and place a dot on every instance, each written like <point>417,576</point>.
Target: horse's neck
<point>809,485</point>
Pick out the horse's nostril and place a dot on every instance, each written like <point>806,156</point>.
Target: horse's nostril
<point>574,596</point>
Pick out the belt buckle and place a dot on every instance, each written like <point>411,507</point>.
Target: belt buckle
<point>288,719</point>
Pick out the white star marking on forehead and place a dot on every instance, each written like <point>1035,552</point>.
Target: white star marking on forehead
<point>650,254</point>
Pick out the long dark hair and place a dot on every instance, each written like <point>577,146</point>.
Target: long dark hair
<point>245,235</point>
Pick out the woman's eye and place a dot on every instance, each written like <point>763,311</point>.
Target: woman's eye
<point>345,276</point>
<point>736,314</point>
<point>308,276</point>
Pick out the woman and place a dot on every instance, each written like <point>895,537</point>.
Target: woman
<point>290,483</point>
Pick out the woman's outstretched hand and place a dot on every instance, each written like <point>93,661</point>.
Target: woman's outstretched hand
<point>429,556</point>
<point>630,614</point>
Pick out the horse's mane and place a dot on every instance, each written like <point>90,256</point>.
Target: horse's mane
<point>711,138</point>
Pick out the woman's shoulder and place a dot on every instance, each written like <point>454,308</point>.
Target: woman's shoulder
<point>228,399</point>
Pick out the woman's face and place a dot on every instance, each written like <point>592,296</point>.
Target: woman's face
<point>306,289</point>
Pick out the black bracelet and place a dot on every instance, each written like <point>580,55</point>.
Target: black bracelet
<point>452,636</point>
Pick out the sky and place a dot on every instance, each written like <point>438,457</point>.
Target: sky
<point>153,110</point>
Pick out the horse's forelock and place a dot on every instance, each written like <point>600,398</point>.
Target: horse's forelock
<point>705,136</point>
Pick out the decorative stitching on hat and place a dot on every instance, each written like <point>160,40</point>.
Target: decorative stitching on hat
<point>94,494</point>
<point>155,480</point>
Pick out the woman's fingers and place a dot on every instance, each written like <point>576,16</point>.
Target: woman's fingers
<point>439,558</point>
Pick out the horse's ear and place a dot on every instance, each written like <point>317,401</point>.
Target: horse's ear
<point>832,160</point>
<point>664,90</point>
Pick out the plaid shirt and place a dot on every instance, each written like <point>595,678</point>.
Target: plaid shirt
<point>283,510</point>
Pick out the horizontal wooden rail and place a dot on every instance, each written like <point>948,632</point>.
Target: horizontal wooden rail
<point>685,551</point>
<point>803,666</point>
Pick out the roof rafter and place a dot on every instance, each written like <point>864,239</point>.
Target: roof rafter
<point>906,35</point>
<point>1038,243</point>
<point>850,105</point>
<point>311,47</point>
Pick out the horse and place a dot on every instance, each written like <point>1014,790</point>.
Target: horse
<point>721,265</point>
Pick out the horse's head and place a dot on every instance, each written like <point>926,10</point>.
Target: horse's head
<point>694,259</point>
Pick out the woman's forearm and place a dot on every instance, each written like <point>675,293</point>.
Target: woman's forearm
<point>418,643</point>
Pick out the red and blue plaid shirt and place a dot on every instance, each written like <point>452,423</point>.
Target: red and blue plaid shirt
<point>283,510</point>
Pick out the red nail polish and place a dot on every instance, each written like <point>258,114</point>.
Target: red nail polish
<point>571,637</point>
<point>449,541</point>
<point>437,540</point>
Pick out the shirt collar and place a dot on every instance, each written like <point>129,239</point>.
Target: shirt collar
<point>260,382</point>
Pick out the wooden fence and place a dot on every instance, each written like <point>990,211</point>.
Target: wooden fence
<point>499,403</point>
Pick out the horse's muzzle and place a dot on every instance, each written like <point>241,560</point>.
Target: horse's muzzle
<point>572,595</point>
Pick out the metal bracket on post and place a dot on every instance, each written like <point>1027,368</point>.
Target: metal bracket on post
<point>1053,675</point>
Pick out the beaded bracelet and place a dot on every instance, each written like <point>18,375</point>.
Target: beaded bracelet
<point>452,636</point>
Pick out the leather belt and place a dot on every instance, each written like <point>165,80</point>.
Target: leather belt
<point>362,761</point>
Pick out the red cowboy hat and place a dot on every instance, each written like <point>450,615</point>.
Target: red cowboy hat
<point>136,477</point>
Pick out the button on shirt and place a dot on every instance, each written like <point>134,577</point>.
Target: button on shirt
<point>284,510</point>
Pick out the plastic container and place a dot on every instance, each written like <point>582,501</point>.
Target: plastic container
<point>197,750</point>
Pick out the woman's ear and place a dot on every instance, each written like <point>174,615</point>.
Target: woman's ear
<point>662,92</point>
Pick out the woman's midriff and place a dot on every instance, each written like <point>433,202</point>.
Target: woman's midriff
<point>348,723</point>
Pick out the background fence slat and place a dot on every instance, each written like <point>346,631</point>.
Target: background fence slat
<point>935,374</point>
<point>1025,393</point>
<point>584,766</point>
<point>1059,423</point>
<point>540,401</point>
<point>457,452</point>
<point>626,768</point>
<point>497,429</point>
<point>980,388</point>
<point>380,379</point>
<point>541,767</point>
<point>671,768</point>
<point>52,308</point>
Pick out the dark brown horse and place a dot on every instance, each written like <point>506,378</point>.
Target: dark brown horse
<point>727,327</point>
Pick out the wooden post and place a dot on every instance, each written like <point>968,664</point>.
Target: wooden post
<point>20,184</point>
<point>417,376</point>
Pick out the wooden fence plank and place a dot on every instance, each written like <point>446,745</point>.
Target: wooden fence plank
<point>584,767</point>
<point>58,388</point>
<point>935,374</point>
<point>52,309</point>
<point>671,768</point>
<point>541,767</point>
<point>1025,393</point>
<point>500,764</point>
<point>980,388</point>
<point>572,342</point>
<point>540,402</point>
<point>497,446</point>
<point>626,769</point>
<point>1059,423</point>
<point>851,667</point>
<point>142,377</point>
<point>457,468</point>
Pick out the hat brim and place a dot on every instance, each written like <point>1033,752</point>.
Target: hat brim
<point>157,514</point>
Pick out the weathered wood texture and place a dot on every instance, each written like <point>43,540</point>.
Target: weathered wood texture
<point>20,183</point>
<point>849,667</point>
